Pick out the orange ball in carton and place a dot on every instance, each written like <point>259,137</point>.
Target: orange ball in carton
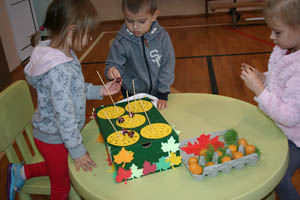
<point>233,148</point>
<point>220,153</point>
<point>243,141</point>
<point>195,168</point>
<point>249,149</point>
<point>225,159</point>
<point>192,160</point>
<point>209,164</point>
<point>237,155</point>
<point>203,152</point>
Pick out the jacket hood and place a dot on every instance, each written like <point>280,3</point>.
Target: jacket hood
<point>43,58</point>
<point>151,34</point>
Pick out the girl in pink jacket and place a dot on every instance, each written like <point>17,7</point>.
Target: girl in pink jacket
<point>277,91</point>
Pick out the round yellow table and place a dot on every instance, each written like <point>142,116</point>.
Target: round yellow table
<point>193,115</point>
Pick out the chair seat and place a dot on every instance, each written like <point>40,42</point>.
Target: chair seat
<point>39,185</point>
<point>35,159</point>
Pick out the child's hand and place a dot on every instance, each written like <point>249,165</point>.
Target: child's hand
<point>113,87</point>
<point>260,75</point>
<point>113,73</point>
<point>251,78</point>
<point>85,162</point>
<point>161,104</point>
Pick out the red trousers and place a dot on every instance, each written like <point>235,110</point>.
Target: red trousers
<point>55,166</point>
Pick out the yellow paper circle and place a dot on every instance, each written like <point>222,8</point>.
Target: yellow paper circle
<point>132,122</point>
<point>156,131</point>
<point>111,112</point>
<point>136,107</point>
<point>118,139</point>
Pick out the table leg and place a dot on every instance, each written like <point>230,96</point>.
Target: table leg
<point>206,8</point>
<point>270,196</point>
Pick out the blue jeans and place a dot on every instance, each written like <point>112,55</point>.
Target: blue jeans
<point>285,189</point>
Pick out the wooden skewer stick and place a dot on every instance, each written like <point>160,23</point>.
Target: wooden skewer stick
<point>134,93</point>
<point>146,114</point>
<point>130,114</point>
<point>128,100</point>
<point>133,89</point>
<point>107,91</point>
<point>111,123</point>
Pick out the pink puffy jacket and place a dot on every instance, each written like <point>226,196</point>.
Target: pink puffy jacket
<point>281,98</point>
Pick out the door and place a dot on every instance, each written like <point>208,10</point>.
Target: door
<point>22,19</point>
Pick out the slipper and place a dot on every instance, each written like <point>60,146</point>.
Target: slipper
<point>14,180</point>
<point>10,182</point>
<point>19,181</point>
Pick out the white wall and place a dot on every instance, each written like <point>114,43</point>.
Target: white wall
<point>108,9</point>
<point>111,9</point>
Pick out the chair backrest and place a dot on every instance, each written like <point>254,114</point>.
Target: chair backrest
<point>16,111</point>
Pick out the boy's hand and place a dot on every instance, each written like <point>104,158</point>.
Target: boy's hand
<point>85,162</point>
<point>161,104</point>
<point>252,80</point>
<point>113,73</point>
<point>113,87</point>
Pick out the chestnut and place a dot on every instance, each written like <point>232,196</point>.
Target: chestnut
<point>121,119</point>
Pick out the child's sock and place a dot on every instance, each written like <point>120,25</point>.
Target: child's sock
<point>23,174</point>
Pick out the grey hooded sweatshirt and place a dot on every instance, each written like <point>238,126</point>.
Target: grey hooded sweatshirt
<point>62,95</point>
<point>148,60</point>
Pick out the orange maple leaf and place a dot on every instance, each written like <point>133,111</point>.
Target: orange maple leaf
<point>124,157</point>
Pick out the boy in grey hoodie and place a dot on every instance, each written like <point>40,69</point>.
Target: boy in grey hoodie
<point>142,51</point>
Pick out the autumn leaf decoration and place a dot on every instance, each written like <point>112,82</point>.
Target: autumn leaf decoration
<point>148,168</point>
<point>123,175</point>
<point>136,172</point>
<point>174,160</point>
<point>203,142</point>
<point>162,163</point>
<point>124,157</point>
<point>170,145</point>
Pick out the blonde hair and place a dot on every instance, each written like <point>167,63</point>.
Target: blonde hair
<point>135,6</point>
<point>61,14</point>
<point>288,11</point>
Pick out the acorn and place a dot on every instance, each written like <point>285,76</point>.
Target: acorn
<point>121,120</point>
<point>124,131</point>
<point>131,114</point>
<point>118,80</point>
<point>131,134</point>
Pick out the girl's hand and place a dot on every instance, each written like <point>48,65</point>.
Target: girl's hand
<point>260,75</point>
<point>161,104</point>
<point>113,73</point>
<point>113,87</point>
<point>85,162</point>
<point>252,80</point>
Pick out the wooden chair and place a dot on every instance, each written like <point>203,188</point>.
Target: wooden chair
<point>16,111</point>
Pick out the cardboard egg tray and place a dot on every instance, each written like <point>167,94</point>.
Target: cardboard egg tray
<point>214,170</point>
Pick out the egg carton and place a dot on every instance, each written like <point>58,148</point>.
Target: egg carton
<point>214,170</point>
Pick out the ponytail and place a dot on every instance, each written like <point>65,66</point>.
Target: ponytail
<point>35,38</point>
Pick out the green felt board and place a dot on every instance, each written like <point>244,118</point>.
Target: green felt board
<point>145,149</point>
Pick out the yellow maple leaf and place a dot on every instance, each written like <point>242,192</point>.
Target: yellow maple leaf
<point>174,160</point>
<point>124,157</point>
